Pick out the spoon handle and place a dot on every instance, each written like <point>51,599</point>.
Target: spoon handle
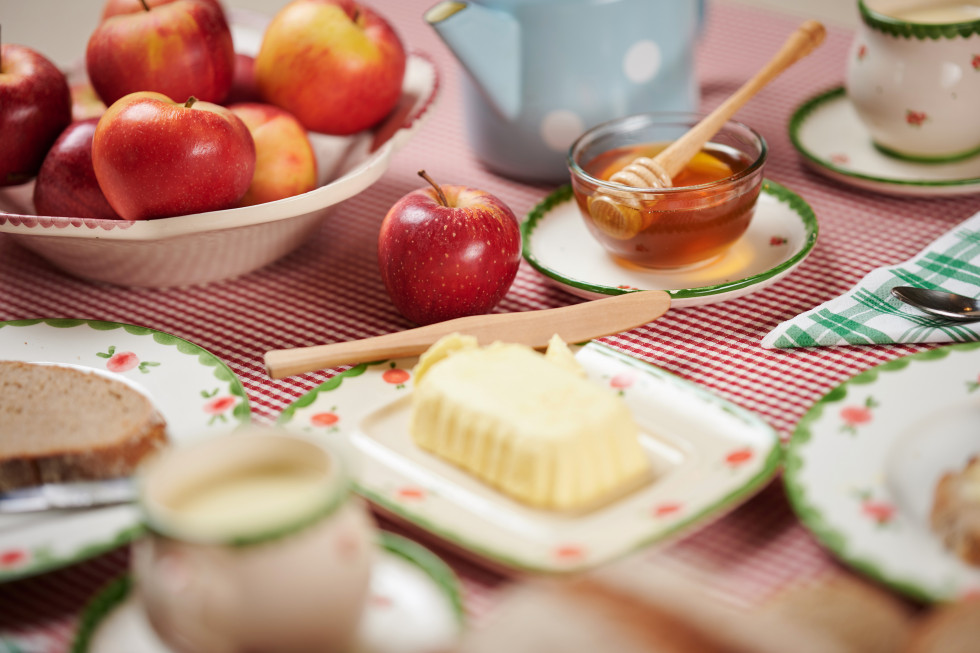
<point>575,323</point>
<point>799,44</point>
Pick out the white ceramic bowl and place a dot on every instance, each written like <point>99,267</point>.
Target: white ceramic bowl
<point>206,247</point>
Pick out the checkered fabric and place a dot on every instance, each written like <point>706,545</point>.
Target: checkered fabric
<point>869,314</point>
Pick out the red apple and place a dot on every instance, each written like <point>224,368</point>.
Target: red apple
<point>180,48</point>
<point>35,105</point>
<point>447,252</point>
<point>156,158</point>
<point>66,184</point>
<point>116,7</point>
<point>243,86</point>
<point>336,65</point>
<point>284,160</point>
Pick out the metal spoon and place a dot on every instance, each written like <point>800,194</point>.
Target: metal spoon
<point>948,305</point>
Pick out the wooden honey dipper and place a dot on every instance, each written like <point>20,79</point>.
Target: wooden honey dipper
<point>658,172</point>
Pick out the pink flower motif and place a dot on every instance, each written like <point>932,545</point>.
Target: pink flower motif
<point>324,419</point>
<point>218,405</point>
<point>396,376</point>
<point>855,415</point>
<point>12,558</point>
<point>739,457</point>
<point>976,62</point>
<point>881,512</point>
<point>625,287</point>
<point>915,118</point>
<point>862,52</point>
<point>667,509</point>
<point>776,241</point>
<point>840,159</point>
<point>410,493</point>
<point>622,380</point>
<point>569,553</point>
<point>123,361</point>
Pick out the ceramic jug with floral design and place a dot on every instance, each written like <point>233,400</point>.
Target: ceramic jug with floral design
<point>254,543</point>
<point>913,76</point>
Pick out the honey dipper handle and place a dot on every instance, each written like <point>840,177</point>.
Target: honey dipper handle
<point>801,43</point>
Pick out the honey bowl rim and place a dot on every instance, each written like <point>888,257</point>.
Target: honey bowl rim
<point>688,119</point>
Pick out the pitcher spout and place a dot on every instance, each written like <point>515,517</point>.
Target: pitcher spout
<point>487,44</point>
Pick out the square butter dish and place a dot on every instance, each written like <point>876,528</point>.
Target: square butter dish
<point>708,455</point>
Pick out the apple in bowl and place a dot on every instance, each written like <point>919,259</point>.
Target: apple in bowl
<point>156,158</point>
<point>448,251</point>
<point>179,48</point>
<point>336,65</point>
<point>284,161</point>
<point>35,106</point>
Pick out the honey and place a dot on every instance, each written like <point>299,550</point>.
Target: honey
<point>694,221</point>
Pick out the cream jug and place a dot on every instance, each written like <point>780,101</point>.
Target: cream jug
<point>254,542</point>
<point>541,72</point>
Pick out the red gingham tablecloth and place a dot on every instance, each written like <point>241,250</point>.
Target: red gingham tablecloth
<point>330,290</point>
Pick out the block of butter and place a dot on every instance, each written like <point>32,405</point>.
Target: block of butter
<point>530,425</point>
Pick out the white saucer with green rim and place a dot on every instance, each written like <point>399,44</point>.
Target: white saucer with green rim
<point>863,463</point>
<point>414,606</point>
<point>826,130</point>
<point>196,393</point>
<point>780,236</point>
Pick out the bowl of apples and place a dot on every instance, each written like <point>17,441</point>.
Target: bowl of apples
<point>163,188</point>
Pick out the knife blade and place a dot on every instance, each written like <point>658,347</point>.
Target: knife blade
<point>68,496</point>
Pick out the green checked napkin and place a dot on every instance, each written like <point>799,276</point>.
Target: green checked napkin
<point>868,314</point>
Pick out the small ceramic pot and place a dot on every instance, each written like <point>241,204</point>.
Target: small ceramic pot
<point>913,76</point>
<point>254,543</point>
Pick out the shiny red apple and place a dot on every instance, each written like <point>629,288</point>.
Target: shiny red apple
<point>116,7</point>
<point>35,105</point>
<point>337,65</point>
<point>66,184</point>
<point>180,48</point>
<point>157,158</point>
<point>284,160</point>
<point>447,252</point>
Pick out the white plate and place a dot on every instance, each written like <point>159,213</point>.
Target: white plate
<point>826,130</point>
<point>862,467</point>
<point>780,236</point>
<point>194,391</point>
<point>414,606</point>
<point>709,455</point>
<point>206,247</point>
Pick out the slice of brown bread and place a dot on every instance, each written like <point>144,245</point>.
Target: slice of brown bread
<point>956,511</point>
<point>60,423</point>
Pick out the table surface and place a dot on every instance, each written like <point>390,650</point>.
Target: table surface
<point>330,290</point>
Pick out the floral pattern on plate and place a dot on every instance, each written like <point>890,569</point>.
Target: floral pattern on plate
<point>708,455</point>
<point>862,467</point>
<point>194,391</point>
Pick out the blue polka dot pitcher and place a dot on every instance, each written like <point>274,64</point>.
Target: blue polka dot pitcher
<point>541,72</point>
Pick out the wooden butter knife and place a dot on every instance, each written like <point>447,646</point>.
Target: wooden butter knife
<point>575,323</point>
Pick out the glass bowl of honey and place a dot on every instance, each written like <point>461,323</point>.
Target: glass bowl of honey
<point>708,207</point>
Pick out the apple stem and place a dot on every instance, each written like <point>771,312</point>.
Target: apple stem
<point>146,7</point>
<point>190,102</point>
<point>442,196</point>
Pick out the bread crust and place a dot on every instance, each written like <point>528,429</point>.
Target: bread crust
<point>125,445</point>
<point>955,512</point>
